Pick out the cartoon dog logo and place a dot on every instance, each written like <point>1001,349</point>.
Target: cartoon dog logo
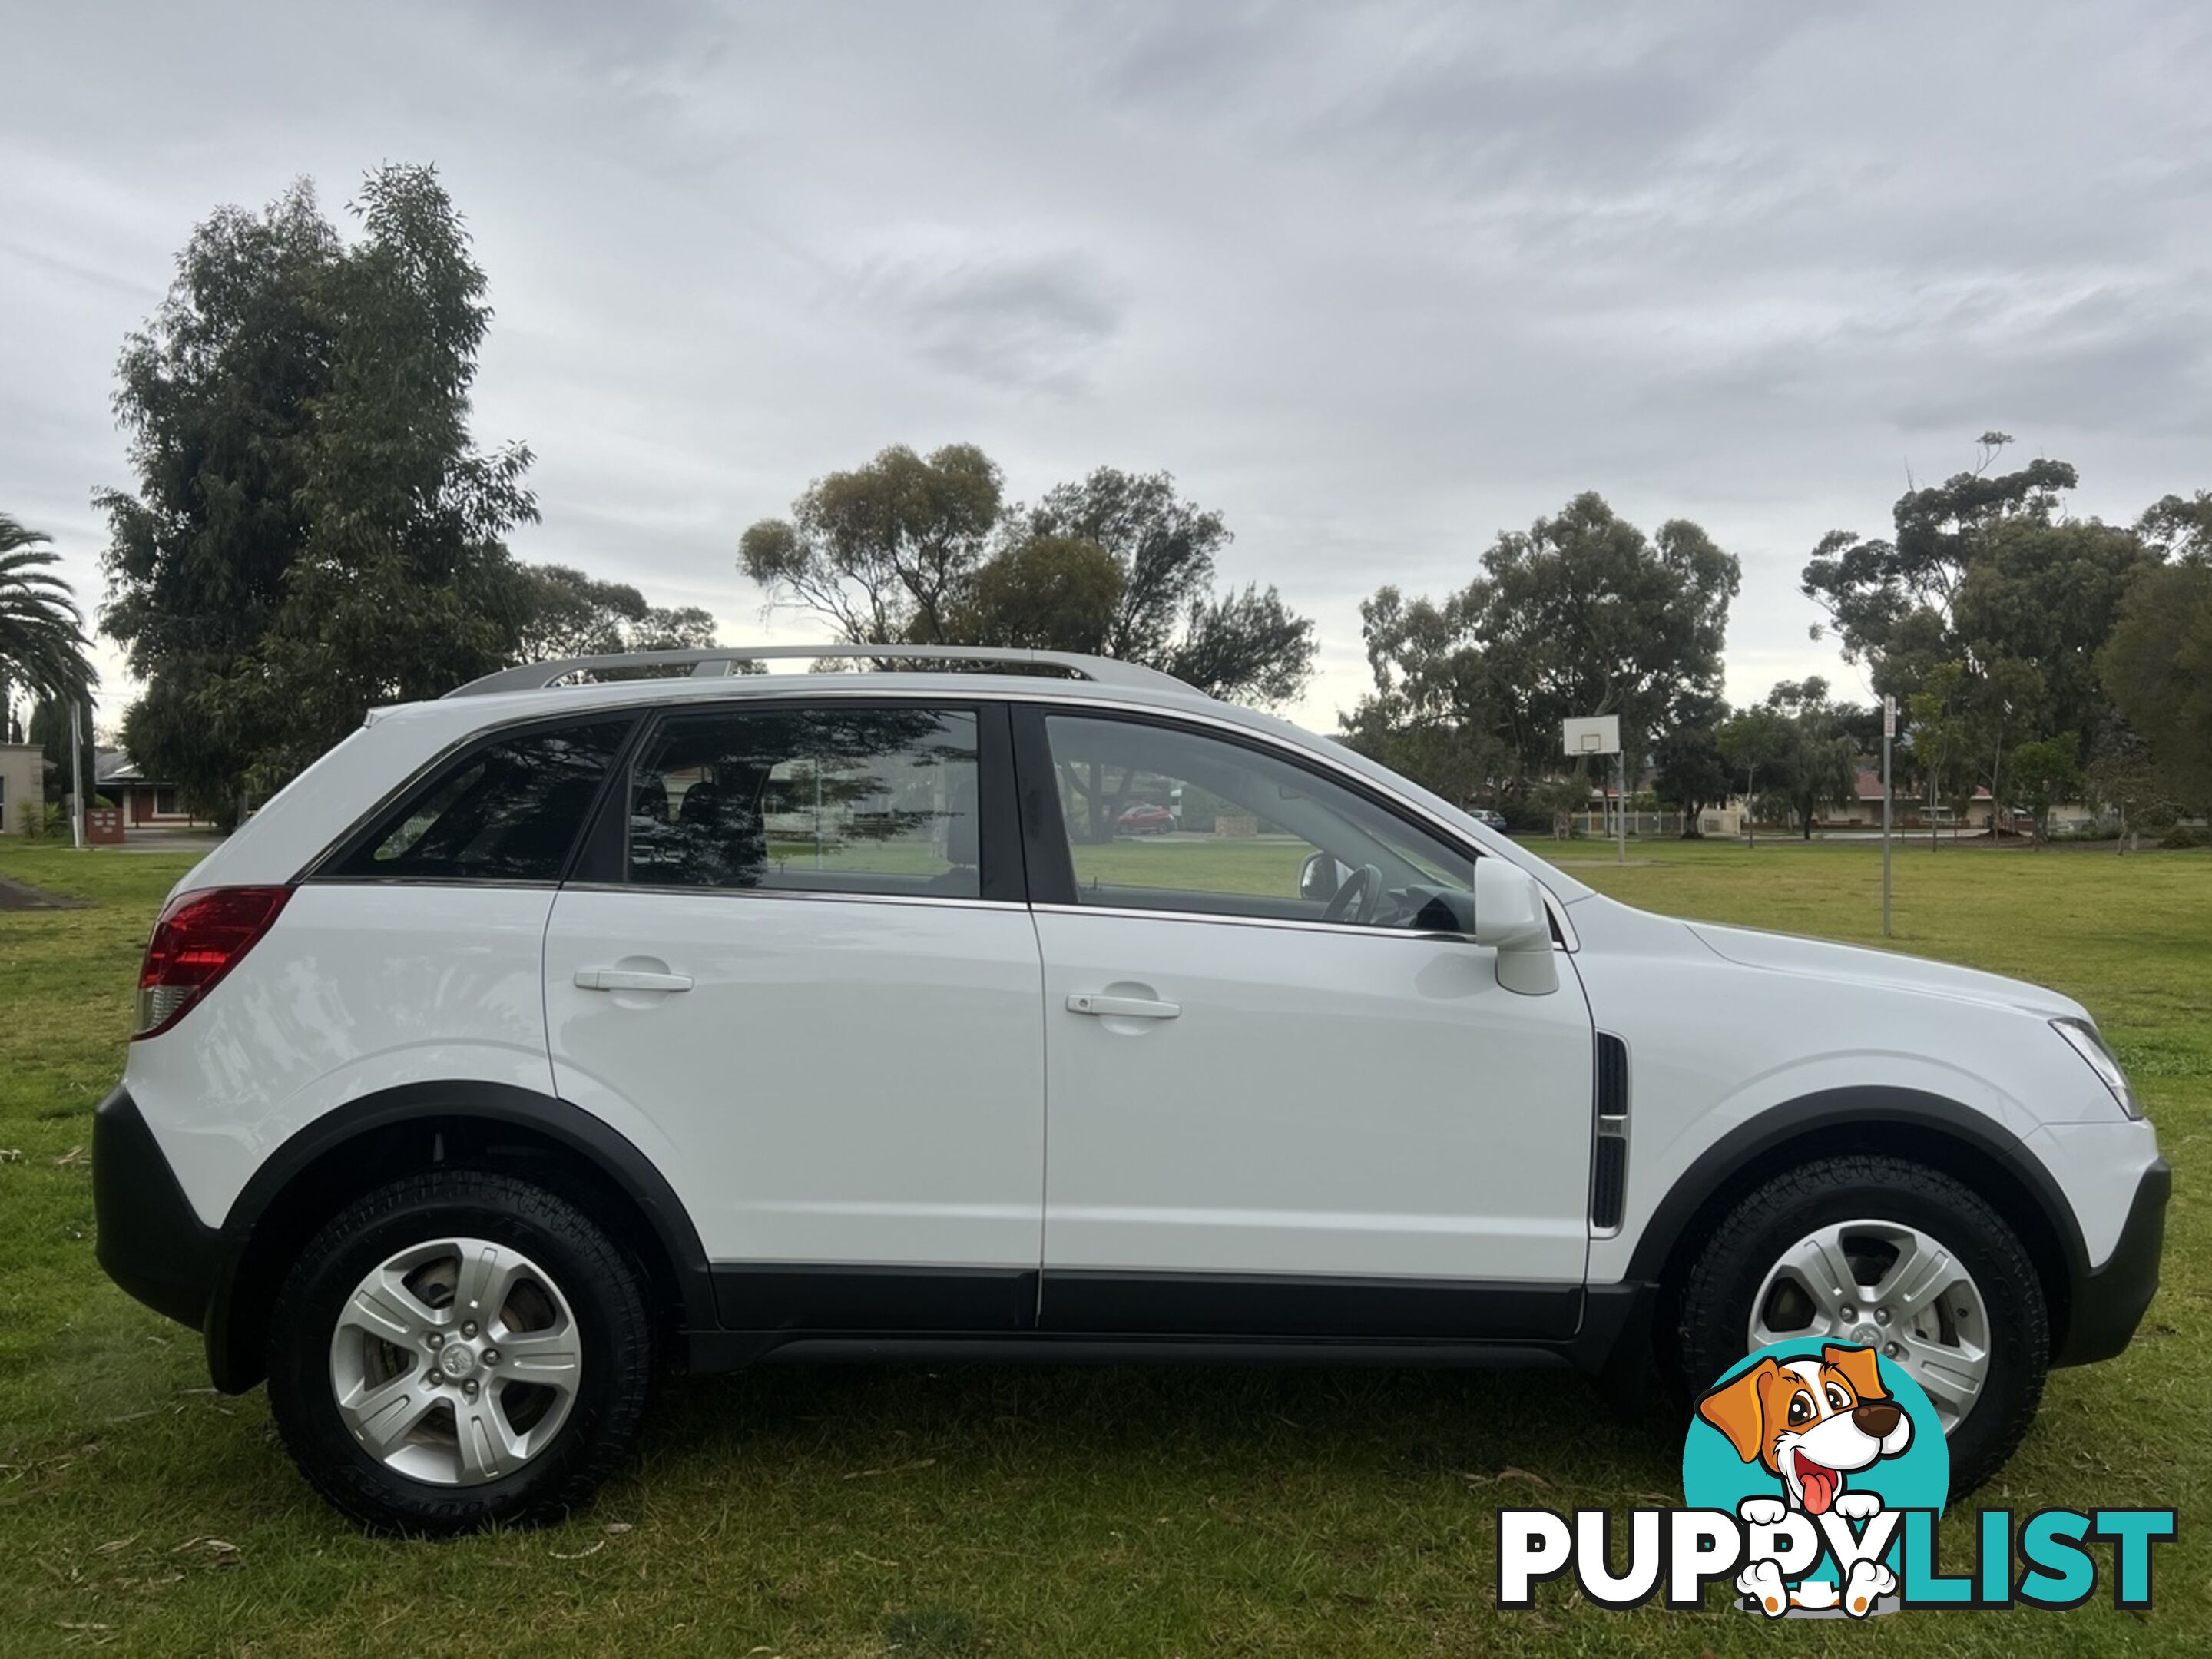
<point>1812,1423</point>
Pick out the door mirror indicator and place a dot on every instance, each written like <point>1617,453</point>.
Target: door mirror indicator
<point>1511,919</point>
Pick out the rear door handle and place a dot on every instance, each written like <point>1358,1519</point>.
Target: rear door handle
<point>629,979</point>
<point>1124,1007</point>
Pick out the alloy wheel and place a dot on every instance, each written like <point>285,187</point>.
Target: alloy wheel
<point>1887,1286</point>
<point>455,1361</point>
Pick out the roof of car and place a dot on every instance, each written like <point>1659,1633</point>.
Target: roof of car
<point>716,661</point>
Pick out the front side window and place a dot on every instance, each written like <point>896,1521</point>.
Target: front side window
<point>507,811</point>
<point>835,801</point>
<point>1165,819</point>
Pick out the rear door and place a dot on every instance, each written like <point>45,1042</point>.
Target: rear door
<point>798,947</point>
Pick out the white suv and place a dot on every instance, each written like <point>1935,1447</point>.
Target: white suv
<point>550,1030</point>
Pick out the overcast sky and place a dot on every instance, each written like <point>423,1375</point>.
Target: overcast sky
<point>1376,281</point>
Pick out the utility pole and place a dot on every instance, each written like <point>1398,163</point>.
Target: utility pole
<point>1888,733</point>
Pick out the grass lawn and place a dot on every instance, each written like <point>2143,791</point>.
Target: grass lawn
<point>1006,1511</point>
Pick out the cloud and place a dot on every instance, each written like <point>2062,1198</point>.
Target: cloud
<point>1018,321</point>
<point>1375,280</point>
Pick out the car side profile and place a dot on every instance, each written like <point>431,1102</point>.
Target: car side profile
<point>550,1032</point>
<point>1144,818</point>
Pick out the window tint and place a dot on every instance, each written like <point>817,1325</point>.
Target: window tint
<point>508,811</point>
<point>851,800</point>
<point>1159,818</point>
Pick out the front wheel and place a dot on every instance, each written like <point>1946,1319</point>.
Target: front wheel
<point>458,1349</point>
<point>1895,1256</point>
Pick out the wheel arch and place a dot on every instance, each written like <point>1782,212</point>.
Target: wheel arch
<point>1928,1129</point>
<point>403,1130</point>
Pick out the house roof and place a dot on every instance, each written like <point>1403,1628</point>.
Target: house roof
<point>116,766</point>
<point>1869,786</point>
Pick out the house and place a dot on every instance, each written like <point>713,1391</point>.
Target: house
<point>22,785</point>
<point>1907,811</point>
<point>147,802</point>
<point>1911,811</point>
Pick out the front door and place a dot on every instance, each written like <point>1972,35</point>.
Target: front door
<point>811,979</point>
<point>1284,1095</point>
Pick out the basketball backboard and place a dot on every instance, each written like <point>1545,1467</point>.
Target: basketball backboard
<point>1592,734</point>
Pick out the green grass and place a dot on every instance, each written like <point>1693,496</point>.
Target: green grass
<point>1269,868</point>
<point>926,1510</point>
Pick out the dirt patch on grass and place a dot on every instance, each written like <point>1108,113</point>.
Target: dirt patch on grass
<point>15,896</point>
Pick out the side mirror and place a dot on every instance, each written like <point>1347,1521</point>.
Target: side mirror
<point>1510,917</point>
<point>1319,875</point>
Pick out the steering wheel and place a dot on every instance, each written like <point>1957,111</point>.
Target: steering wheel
<point>1358,898</point>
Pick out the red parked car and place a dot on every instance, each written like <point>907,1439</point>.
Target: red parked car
<point>1143,819</point>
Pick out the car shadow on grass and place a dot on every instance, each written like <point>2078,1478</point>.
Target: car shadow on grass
<point>1547,1434</point>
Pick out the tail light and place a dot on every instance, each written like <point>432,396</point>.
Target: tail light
<point>200,937</point>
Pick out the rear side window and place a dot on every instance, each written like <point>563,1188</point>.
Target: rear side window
<point>827,800</point>
<point>507,811</point>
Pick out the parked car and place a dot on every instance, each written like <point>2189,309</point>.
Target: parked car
<point>542,1034</point>
<point>1144,819</point>
<point>1483,815</point>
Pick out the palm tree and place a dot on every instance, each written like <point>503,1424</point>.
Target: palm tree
<point>42,642</point>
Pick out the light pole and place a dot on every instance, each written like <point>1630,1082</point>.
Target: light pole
<point>77,773</point>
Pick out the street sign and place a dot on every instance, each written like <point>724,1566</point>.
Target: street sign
<point>1888,736</point>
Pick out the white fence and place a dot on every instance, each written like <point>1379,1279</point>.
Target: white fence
<point>1600,826</point>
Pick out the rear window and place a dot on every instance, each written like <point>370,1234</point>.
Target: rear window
<point>507,811</point>
<point>824,800</point>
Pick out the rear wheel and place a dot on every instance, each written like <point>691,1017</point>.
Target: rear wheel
<point>1880,1251</point>
<point>457,1349</point>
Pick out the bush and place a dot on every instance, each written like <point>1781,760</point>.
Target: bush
<point>1200,809</point>
<point>36,819</point>
<point>2180,837</point>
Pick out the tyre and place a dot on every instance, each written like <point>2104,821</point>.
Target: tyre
<point>459,1349</point>
<point>1891,1254</point>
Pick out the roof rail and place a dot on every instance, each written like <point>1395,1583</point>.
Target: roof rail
<point>720,659</point>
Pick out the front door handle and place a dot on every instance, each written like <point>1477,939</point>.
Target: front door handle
<point>1124,1007</point>
<point>629,979</point>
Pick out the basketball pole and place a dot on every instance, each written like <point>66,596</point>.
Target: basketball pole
<point>1621,806</point>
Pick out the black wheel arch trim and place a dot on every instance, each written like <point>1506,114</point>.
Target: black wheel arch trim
<point>1868,1107</point>
<point>234,1366</point>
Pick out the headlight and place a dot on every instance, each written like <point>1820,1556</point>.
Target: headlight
<point>2082,1036</point>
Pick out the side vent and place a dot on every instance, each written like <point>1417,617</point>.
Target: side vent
<point>1609,1162</point>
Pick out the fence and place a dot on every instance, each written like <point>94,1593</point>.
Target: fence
<point>1599,825</point>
